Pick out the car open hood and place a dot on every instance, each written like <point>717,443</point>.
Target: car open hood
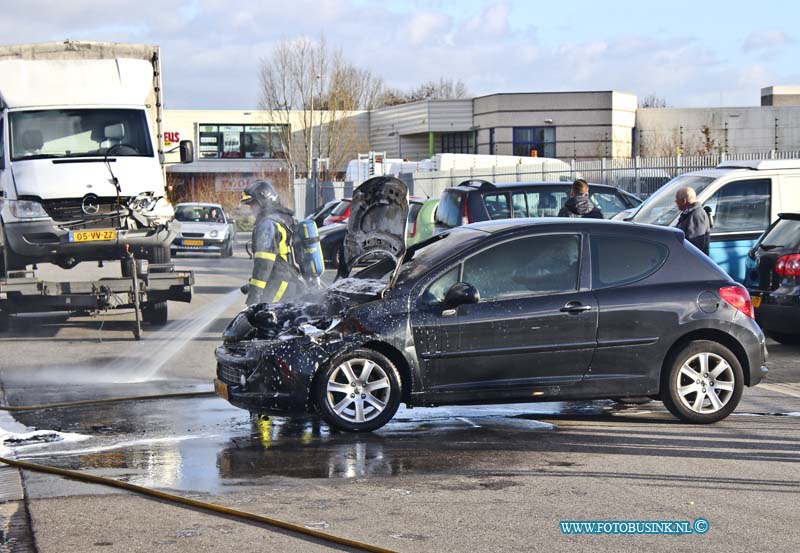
<point>377,224</point>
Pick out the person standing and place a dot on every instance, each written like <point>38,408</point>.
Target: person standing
<point>694,220</point>
<point>276,276</point>
<point>579,204</point>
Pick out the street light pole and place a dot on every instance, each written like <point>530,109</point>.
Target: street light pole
<point>311,173</point>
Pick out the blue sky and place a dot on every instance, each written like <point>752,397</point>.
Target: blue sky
<point>693,54</point>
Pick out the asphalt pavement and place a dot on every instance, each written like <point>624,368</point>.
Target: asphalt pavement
<point>496,478</point>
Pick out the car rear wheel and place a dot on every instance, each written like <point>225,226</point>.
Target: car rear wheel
<point>359,391</point>
<point>702,382</point>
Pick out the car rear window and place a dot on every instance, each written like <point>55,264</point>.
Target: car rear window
<point>450,208</point>
<point>618,260</point>
<point>784,234</point>
<point>608,202</point>
<point>341,209</point>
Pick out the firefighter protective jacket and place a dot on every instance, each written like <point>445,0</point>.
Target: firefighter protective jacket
<point>275,274</point>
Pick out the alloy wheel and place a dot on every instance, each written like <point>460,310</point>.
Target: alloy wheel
<point>705,383</point>
<point>358,390</point>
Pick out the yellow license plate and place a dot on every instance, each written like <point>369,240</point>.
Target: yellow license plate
<point>99,235</point>
<point>192,242</point>
<point>756,301</point>
<point>220,388</point>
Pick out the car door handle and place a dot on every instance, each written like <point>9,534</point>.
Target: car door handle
<point>575,307</point>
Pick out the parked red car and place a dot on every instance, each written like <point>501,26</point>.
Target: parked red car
<point>339,213</point>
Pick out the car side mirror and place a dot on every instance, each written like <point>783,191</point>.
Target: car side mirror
<point>461,293</point>
<point>187,151</point>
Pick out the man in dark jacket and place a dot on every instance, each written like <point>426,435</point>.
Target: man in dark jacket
<point>275,274</point>
<point>694,220</point>
<point>579,204</point>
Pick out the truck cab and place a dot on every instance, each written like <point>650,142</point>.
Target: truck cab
<point>81,175</point>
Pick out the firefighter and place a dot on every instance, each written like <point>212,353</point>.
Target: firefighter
<point>276,276</point>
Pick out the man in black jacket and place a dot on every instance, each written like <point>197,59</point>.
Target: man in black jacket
<point>276,276</point>
<point>694,220</point>
<point>579,204</point>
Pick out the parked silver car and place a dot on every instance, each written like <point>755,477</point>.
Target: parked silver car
<point>204,228</point>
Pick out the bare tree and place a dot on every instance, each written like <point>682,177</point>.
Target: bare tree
<point>300,73</point>
<point>444,89</point>
<point>652,101</point>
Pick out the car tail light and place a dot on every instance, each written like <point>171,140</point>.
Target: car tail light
<point>413,228</point>
<point>788,265</point>
<point>466,218</point>
<point>739,298</point>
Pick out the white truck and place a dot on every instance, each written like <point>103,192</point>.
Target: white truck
<point>81,155</point>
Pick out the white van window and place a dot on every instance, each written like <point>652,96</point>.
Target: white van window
<point>742,205</point>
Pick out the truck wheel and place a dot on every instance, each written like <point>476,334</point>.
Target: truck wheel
<point>155,314</point>
<point>160,255</point>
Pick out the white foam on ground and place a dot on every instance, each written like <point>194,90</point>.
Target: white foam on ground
<point>120,445</point>
<point>12,429</point>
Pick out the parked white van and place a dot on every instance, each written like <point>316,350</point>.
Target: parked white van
<point>744,197</point>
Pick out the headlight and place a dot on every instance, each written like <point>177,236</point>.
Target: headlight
<point>213,233</point>
<point>23,209</point>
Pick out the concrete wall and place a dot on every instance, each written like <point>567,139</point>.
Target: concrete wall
<point>588,124</point>
<point>403,131</point>
<point>661,131</point>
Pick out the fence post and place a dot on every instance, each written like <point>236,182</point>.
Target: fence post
<point>604,170</point>
<point>637,176</point>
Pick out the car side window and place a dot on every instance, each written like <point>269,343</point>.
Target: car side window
<point>545,203</point>
<point>526,266</point>
<point>608,202</point>
<point>741,205</point>
<point>436,292</point>
<point>618,259</point>
<point>518,200</point>
<point>497,206</point>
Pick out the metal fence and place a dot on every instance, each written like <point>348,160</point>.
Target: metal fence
<point>638,175</point>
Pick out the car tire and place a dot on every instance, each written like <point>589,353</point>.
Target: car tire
<point>787,339</point>
<point>155,314</point>
<point>702,382</point>
<point>370,398</point>
<point>227,251</point>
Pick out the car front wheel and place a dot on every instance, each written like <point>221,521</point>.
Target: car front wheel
<point>702,382</point>
<point>359,391</point>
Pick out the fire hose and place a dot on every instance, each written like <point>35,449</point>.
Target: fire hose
<point>211,508</point>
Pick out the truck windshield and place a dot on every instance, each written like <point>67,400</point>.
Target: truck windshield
<point>660,208</point>
<point>56,133</point>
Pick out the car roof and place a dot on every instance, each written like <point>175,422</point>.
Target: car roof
<point>199,204</point>
<point>486,185</point>
<point>498,226</point>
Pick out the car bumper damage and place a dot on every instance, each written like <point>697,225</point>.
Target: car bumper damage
<point>272,352</point>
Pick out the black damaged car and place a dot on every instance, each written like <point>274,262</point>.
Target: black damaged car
<point>496,312</point>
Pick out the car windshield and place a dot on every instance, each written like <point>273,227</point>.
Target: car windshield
<point>425,255</point>
<point>784,233</point>
<point>660,208</point>
<point>79,133</point>
<point>199,214</point>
